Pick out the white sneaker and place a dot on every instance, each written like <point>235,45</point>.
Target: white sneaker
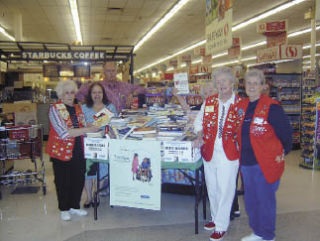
<point>252,237</point>
<point>65,215</point>
<point>79,212</point>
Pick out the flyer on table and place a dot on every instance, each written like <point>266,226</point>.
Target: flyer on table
<point>135,174</point>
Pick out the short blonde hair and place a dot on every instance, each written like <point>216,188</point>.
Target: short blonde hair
<point>64,85</point>
<point>257,73</point>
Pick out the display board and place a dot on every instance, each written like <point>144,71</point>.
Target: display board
<point>135,174</point>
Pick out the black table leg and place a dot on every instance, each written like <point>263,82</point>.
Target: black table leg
<point>96,193</point>
<point>197,192</point>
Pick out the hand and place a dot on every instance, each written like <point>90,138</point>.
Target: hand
<point>93,128</point>
<point>174,91</point>
<point>197,143</point>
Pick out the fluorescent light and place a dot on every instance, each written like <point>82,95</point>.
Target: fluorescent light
<point>171,56</point>
<point>239,26</point>
<point>225,63</point>
<point>267,14</point>
<point>159,24</point>
<point>309,56</point>
<point>220,55</point>
<point>170,69</point>
<point>183,65</point>
<point>5,33</point>
<point>249,58</point>
<point>308,46</point>
<point>75,16</point>
<point>197,61</point>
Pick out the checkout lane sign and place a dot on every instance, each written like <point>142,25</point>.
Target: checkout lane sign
<point>96,148</point>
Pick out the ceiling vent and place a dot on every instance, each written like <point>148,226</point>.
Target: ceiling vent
<point>115,9</point>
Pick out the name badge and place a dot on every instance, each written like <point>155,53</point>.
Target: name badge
<point>258,120</point>
<point>209,108</point>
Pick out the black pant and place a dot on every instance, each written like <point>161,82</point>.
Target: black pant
<point>69,179</point>
<point>235,204</point>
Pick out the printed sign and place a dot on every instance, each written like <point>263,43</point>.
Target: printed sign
<point>218,26</point>
<point>63,55</point>
<point>278,39</point>
<point>96,148</point>
<point>181,83</point>
<point>235,49</point>
<point>272,27</point>
<point>135,174</point>
<point>268,54</point>
<point>291,51</point>
<point>179,151</point>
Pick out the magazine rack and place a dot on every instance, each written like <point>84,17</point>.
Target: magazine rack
<point>22,143</point>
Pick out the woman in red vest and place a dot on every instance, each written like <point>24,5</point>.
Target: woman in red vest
<point>265,137</point>
<point>65,148</point>
<point>215,127</point>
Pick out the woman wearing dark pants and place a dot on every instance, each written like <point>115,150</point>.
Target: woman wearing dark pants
<point>65,148</point>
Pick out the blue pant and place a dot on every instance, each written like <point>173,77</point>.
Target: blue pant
<point>260,201</point>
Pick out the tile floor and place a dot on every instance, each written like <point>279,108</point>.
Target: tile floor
<point>34,217</point>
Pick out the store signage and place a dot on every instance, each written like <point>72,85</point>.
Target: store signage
<point>180,81</point>
<point>218,26</point>
<point>235,49</point>
<point>135,174</point>
<point>275,40</point>
<point>186,58</point>
<point>96,148</point>
<point>317,12</point>
<point>291,51</point>
<point>3,66</point>
<point>199,51</point>
<point>272,27</point>
<point>64,55</point>
<point>200,68</point>
<point>176,151</point>
<point>193,69</point>
<point>268,54</point>
<point>285,51</point>
<point>207,59</point>
<point>173,62</point>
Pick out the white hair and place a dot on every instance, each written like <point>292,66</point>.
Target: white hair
<point>256,73</point>
<point>223,70</point>
<point>64,85</point>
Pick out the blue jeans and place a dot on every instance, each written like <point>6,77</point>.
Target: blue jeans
<point>260,201</point>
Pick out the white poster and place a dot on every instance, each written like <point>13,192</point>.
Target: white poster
<point>181,83</point>
<point>176,151</point>
<point>219,33</point>
<point>96,148</point>
<point>135,174</point>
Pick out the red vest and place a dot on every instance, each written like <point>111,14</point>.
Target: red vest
<point>266,146</point>
<point>210,129</point>
<point>57,147</point>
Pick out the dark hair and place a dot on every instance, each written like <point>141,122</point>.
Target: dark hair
<point>89,101</point>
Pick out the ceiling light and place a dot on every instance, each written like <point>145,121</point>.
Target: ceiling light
<point>267,14</point>
<point>249,59</point>
<point>225,63</point>
<point>183,65</point>
<point>159,24</point>
<point>75,16</point>
<point>264,15</point>
<point>197,61</point>
<point>308,46</point>
<point>170,69</point>
<point>5,33</point>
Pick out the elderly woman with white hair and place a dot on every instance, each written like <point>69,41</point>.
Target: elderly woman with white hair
<point>265,137</point>
<point>215,125</point>
<point>65,148</point>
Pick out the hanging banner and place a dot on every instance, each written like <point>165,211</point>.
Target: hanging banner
<point>173,63</point>
<point>186,58</point>
<point>286,51</point>
<point>235,50</point>
<point>199,51</point>
<point>193,69</point>
<point>291,51</point>
<point>269,54</point>
<point>180,81</point>
<point>135,174</point>
<point>96,148</point>
<point>273,27</point>
<point>207,59</point>
<point>275,40</point>
<point>218,26</point>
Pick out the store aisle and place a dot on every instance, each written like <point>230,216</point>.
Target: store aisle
<point>34,217</point>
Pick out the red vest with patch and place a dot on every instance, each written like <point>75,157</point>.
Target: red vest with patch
<point>210,129</point>
<point>266,146</point>
<point>57,147</point>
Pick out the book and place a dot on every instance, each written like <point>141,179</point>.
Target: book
<point>102,118</point>
<point>145,130</point>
